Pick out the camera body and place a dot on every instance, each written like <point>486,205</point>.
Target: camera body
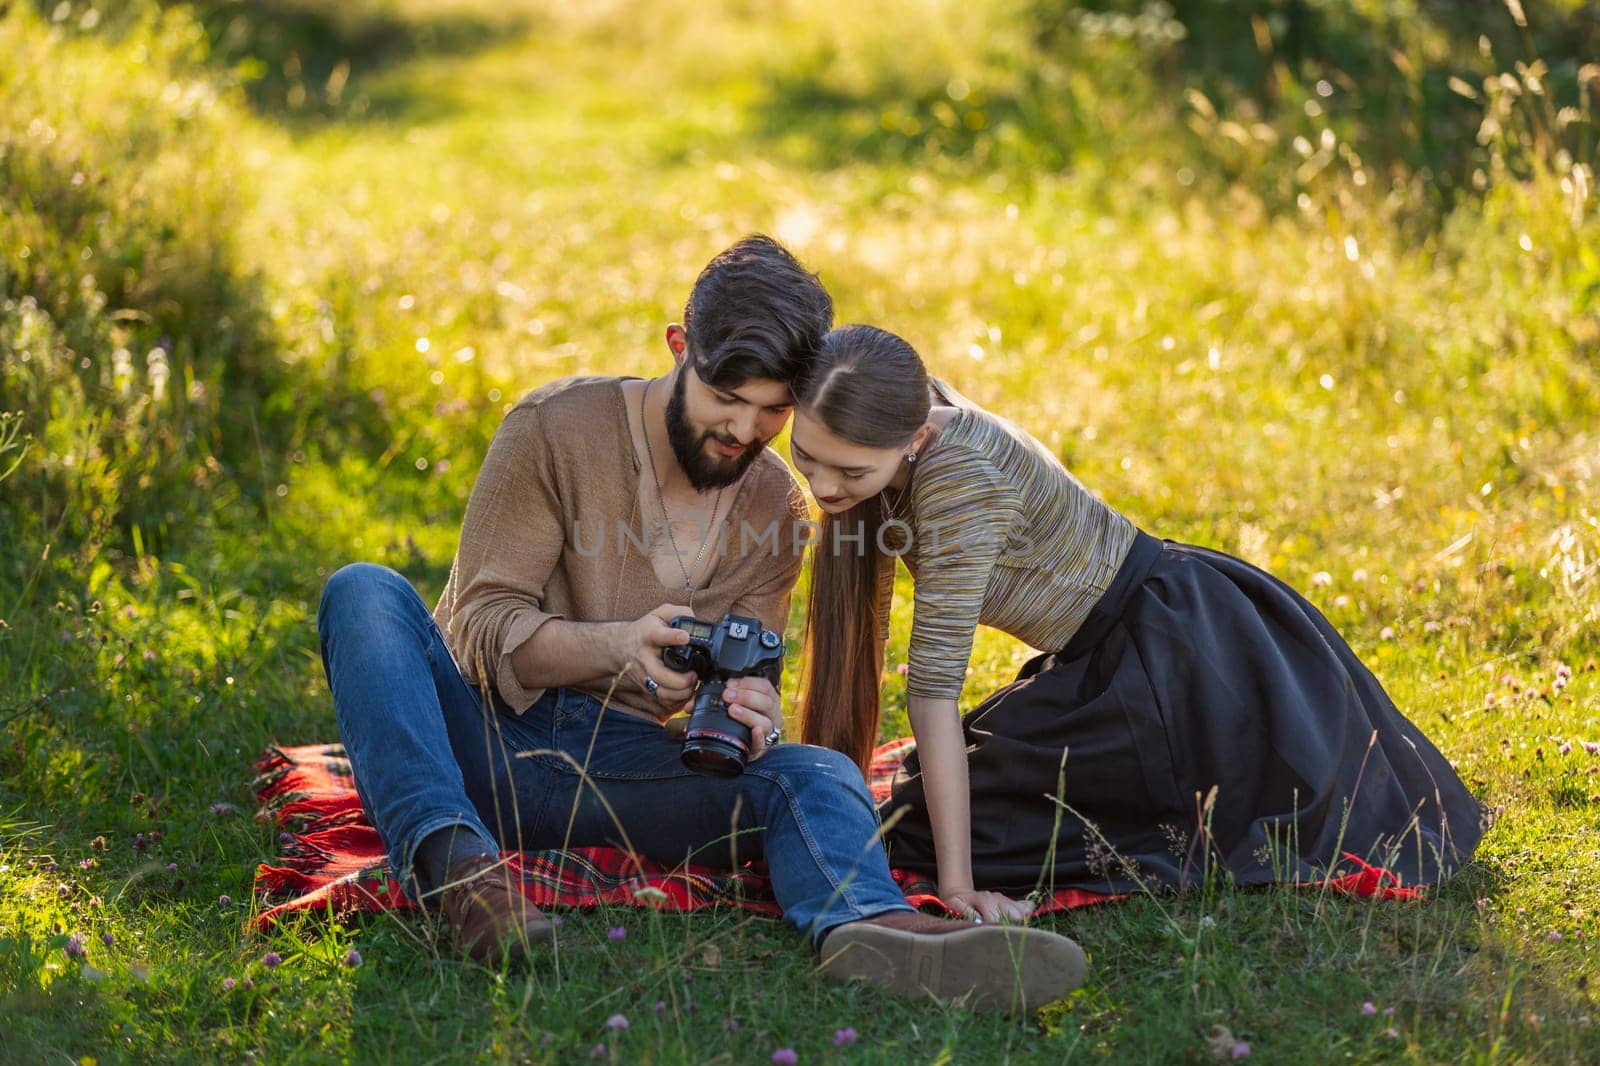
<point>717,652</point>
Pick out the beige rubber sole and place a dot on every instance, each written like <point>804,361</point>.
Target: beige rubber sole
<point>988,967</point>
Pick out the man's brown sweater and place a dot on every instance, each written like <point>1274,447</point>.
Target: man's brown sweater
<point>553,530</point>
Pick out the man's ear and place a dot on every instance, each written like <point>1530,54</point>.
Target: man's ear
<point>677,342</point>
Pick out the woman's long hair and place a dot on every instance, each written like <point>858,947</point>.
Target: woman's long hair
<point>868,387</point>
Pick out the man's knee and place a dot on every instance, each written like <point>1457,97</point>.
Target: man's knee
<point>808,767</point>
<point>357,586</point>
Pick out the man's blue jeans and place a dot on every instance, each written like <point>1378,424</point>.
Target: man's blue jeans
<point>429,752</point>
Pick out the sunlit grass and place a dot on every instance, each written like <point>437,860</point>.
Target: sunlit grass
<point>1400,424</point>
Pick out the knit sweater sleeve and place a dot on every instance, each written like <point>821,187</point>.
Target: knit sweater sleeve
<point>965,516</point>
<point>511,542</point>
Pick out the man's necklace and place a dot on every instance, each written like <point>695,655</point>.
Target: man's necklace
<point>666,516</point>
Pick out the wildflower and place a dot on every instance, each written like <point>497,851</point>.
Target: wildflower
<point>903,669</point>
<point>598,1052</point>
<point>172,867</point>
<point>661,1005</point>
<point>140,842</point>
<point>1590,746</point>
<point>107,939</point>
<point>1388,1012</point>
<point>249,983</point>
<point>1430,626</point>
<point>785,1056</point>
<point>844,1037</point>
<point>556,921</point>
<point>617,1022</point>
<point>1392,1033</point>
<point>352,958</point>
<point>1321,579</point>
<point>85,864</point>
<point>1386,633</point>
<point>617,932</point>
<point>224,900</point>
<point>221,808</point>
<point>1566,748</point>
<point>1483,903</point>
<point>1369,1008</point>
<point>1563,670</point>
<point>1241,1050</point>
<point>1358,576</point>
<point>1554,936</point>
<point>227,984</point>
<point>286,838</point>
<point>271,959</point>
<point>731,1025</point>
<point>75,946</point>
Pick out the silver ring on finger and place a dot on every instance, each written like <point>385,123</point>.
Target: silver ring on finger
<point>652,686</point>
<point>773,736</point>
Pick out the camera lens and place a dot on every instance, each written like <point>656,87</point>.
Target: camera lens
<point>713,743</point>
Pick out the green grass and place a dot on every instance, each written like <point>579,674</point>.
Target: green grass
<point>1351,385</point>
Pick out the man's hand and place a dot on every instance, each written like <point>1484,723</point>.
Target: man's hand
<point>638,651</point>
<point>752,701</point>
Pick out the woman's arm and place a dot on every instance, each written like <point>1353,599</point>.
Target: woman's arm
<point>942,752</point>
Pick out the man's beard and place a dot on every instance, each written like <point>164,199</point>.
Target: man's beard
<point>705,471</point>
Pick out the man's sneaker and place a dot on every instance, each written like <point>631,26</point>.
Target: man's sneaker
<point>990,967</point>
<point>487,912</point>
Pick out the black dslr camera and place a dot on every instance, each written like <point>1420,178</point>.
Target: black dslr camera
<point>717,652</point>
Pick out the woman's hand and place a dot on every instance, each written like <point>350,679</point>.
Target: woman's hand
<point>752,701</point>
<point>987,906</point>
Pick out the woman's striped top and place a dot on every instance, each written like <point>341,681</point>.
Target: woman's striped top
<point>995,531</point>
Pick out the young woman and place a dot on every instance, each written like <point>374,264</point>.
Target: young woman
<point>1192,713</point>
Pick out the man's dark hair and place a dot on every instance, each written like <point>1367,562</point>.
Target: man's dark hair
<point>755,312</point>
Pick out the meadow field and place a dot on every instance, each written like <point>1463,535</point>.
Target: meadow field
<point>1316,283</point>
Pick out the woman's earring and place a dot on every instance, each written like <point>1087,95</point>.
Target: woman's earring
<point>911,457</point>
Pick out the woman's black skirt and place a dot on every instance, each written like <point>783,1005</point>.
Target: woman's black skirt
<point>1205,721</point>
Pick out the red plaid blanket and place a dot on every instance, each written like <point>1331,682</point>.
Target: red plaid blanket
<point>332,856</point>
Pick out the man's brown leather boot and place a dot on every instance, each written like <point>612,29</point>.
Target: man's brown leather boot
<point>989,967</point>
<point>488,914</point>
